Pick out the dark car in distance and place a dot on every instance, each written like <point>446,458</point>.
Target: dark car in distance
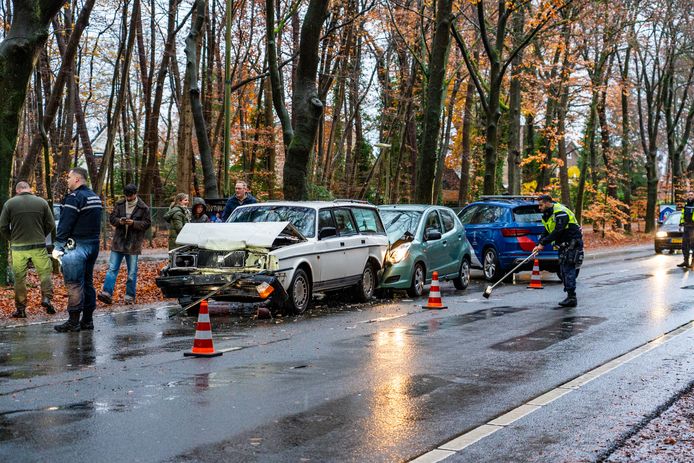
<point>669,235</point>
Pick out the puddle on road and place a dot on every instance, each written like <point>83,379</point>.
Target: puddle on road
<point>549,335</point>
<point>45,425</point>
<point>621,280</point>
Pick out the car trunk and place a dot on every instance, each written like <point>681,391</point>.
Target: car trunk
<point>526,228</point>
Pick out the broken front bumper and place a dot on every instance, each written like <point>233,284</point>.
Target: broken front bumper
<point>244,288</point>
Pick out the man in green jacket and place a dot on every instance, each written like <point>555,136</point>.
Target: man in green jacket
<point>25,222</point>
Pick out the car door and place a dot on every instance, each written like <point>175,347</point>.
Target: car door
<point>453,241</point>
<point>352,242</point>
<point>435,250</point>
<point>330,252</point>
<point>470,217</point>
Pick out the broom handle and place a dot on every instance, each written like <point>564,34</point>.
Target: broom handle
<point>534,253</point>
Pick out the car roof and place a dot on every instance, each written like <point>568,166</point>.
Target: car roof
<point>408,207</point>
<point>314,204</point>
<point>506,201</point>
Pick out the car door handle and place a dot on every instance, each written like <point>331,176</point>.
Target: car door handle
<point>342,244</point>
<point>363,241</point>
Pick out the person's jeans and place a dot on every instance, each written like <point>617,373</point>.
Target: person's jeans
<point>113,268</point>
<point>78,272</point>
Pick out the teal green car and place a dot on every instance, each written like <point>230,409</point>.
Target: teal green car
<point>424,239</point>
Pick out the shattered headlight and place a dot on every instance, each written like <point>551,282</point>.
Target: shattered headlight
<point>398,254</point>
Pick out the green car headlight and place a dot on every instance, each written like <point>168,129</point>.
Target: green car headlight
<point>399,253</point>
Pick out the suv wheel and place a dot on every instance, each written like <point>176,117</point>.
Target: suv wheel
<point>418,279</point>
<point>463,278</point>
<point>367,284</point>
<point>491,265</point>
<point>300,292</point>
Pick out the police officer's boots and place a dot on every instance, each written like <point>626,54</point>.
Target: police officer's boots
<point>570,300</point>
<point>73,323</point>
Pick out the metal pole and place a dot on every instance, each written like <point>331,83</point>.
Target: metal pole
<point>227,100</point>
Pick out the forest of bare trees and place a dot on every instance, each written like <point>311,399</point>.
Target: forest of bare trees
<point>384,100</point>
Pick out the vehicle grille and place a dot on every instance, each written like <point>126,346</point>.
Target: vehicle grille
<point>212,258</point>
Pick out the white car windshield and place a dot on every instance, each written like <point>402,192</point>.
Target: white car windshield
<point>303,218</point>
<point>673,219</point>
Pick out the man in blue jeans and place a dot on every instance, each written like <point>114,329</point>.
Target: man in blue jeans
<point>77,247</point>
<point>130,218</point>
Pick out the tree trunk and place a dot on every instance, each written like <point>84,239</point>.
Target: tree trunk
<point>514,139</point>
<point>434,101</point>
<point>464,191</point>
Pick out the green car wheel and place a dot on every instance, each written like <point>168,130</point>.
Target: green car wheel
<point>418,279</point>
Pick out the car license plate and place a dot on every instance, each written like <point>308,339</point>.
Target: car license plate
<point>676,241</point>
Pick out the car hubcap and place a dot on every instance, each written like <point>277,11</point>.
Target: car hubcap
<point>465,273</point>
<point>367,282</point>
<point>489,265</point>
<point>300,291</point>
<point>419,279</point>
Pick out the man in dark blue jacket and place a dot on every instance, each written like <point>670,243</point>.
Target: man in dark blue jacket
<point>77,247</point>
<point>241,197</point>
<point>687,228</point>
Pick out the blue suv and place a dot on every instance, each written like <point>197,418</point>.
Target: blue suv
<point>503,230</point>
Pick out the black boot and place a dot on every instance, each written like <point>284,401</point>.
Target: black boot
<point>46,304</point>
<point>20,313</point>
<point>73,323</point>
<point>683,264</point>
<point>570,300</point>
<point>87,322</point>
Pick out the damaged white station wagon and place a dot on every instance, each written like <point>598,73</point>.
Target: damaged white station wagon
<point>278,254</point>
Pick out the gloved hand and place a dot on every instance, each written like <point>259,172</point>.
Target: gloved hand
<point>681,228</point>
<point>57,254</point>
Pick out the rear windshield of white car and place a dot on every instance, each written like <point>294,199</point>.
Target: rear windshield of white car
<point>527,214</point>
<point>303,218</point>
<point>398,222</point>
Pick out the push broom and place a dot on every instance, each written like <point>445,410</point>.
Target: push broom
<point>488,291</point>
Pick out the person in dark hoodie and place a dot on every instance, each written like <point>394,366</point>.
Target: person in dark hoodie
<point>199,211</point>
<point>130,218</point>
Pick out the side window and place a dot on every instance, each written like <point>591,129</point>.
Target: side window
<point>447,219</point>
<point>345,225</point>
<point>490,214</point>
<point>433,222</point>
<point>367,220</point>
<point>468,214</point>
<point>325,219</point>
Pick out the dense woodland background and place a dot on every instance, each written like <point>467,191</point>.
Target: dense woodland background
<point>390,101</point>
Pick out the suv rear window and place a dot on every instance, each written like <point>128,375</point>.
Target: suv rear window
<point>527,214</point>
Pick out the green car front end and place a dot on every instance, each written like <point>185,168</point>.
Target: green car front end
<point>424,239</point>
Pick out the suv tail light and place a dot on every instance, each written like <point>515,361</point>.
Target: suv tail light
<point>515,231</point>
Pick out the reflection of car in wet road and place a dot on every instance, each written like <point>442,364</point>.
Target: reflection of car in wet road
<point>669,235</point>
<point>424,239</point>
<point>503,230</point>
<point>279,254</point>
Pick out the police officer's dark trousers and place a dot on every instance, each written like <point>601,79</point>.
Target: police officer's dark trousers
<point>687,237</point>
<point>570,257</point>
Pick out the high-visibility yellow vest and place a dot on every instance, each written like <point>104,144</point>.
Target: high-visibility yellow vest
<point>687,213</point>
<point>551,223</point>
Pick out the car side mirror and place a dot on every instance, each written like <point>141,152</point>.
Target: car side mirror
<point>327,232</point>
<point>432,235</point>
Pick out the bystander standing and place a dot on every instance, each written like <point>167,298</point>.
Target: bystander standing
<point>177,216</point>
<point>130,218</point>
<point>241,196</point>
<point>25,222</point>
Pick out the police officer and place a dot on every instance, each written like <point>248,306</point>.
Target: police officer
<point>77,246</point>
<point>562,229</point>
<point>687,226</point>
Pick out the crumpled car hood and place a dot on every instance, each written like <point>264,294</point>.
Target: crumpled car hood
<point>230,236</point>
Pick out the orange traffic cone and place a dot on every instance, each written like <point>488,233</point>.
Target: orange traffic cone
<point>435,294</point>
<point>536,279</point>
<point>202,344</point>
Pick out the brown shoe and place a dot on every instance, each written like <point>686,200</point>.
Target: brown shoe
<point>105,297</point>
<point>46,304</point>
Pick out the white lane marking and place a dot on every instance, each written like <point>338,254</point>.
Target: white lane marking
<point>476,434</point>
<point>383,319</point>
<point>230,349</point>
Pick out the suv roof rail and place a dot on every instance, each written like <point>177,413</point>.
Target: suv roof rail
<point>356,201</point>
<point>508,197</point>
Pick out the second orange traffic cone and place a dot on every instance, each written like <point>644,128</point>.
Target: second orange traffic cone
<point>535,278</point>
<point>434,294</point>
<point>202,344</point>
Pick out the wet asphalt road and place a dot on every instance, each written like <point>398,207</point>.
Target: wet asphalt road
<point>376,382</point>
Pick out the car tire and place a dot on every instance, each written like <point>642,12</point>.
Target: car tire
<point>463,279</point>
<point>367,284</point>
<point>419,277</point>
<point>299,292</point>
<point>491,265</point>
